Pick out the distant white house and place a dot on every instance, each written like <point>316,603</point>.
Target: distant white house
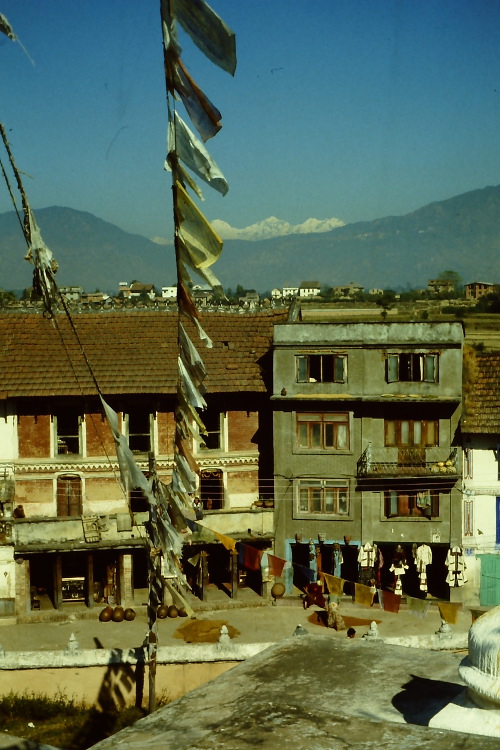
<point>290,291</point>
<point>169,292</point>
<point>309,289</point>
<point>376,292</point>
<point>276,294</point>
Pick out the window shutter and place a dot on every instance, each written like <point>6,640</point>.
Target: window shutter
<point>392,366</point>
<point>430,368</point>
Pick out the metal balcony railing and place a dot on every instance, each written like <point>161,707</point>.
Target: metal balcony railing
<point>400,462</point>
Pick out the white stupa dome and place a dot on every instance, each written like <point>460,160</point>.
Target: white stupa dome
<point>480,670</point>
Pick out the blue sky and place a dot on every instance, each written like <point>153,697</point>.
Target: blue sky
<point>347,108</point>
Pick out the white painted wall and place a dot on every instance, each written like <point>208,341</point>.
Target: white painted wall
<point>481,487</point>
<point>8,432</point>
<point>7,573</point>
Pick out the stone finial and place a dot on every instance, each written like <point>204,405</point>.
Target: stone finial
<point>73,644</point>
<point>372,633</point>
<point>224,637</point>
<point>444,630</point>
<point>299,630</point>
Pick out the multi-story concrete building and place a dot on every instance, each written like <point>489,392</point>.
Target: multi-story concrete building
<point>365,446</point>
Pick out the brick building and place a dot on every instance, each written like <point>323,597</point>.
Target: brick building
<point>67,531</point>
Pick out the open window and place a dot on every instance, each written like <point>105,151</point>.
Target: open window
<point>321,368</point>
<point>412,367</point>
<point>403,504</point>
<point>213,419</point>
<point>139,428</point>
<point>68,432</point>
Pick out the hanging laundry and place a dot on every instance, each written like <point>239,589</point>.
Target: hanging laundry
<point>187,147</point>
<point>337,559</point>
<point>208,31</point>
<point>423,558</point>
<point>367,557</point>
<point>398,568</point>
<point>275,565</point>
<point>423,499</point>
<point>455,562</point>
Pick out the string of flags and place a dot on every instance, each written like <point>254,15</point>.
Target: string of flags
<point>256,559</point>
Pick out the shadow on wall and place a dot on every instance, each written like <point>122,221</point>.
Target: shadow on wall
<point>119,702</point>
<point>421,699</point>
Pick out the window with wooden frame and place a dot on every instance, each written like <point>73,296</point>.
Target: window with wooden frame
<point>412,367</point>
<point>411,432</point>
<point>321,368</point>
<point>404,504</point>
<point>213,419</point>
<point>325,432</point>
<point>68,432</point>
<point>322,497</point>
<point>69,495</point>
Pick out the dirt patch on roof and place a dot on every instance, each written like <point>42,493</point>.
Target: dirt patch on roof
<point>204,631</point>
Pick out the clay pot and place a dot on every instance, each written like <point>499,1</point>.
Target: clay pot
<point>182,612</point>
<point>129,614</point>
<point>106,614</point>
<point>173,611</point>
<point>162,612</point>
<point>277,590</point>
<point>118,614</point>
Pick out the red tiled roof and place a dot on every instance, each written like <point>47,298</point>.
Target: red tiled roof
<point>130,352</point>
<point>481,412</point>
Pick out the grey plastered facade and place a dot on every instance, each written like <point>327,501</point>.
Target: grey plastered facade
<point>365,434</point>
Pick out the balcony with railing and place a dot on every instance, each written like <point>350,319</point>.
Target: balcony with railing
<point>408,462</point>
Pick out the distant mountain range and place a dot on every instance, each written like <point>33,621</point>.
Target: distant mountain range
<point>461,233</point>
<point>273,227</point>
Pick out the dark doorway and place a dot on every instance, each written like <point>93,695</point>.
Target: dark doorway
<point>302,575</point>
